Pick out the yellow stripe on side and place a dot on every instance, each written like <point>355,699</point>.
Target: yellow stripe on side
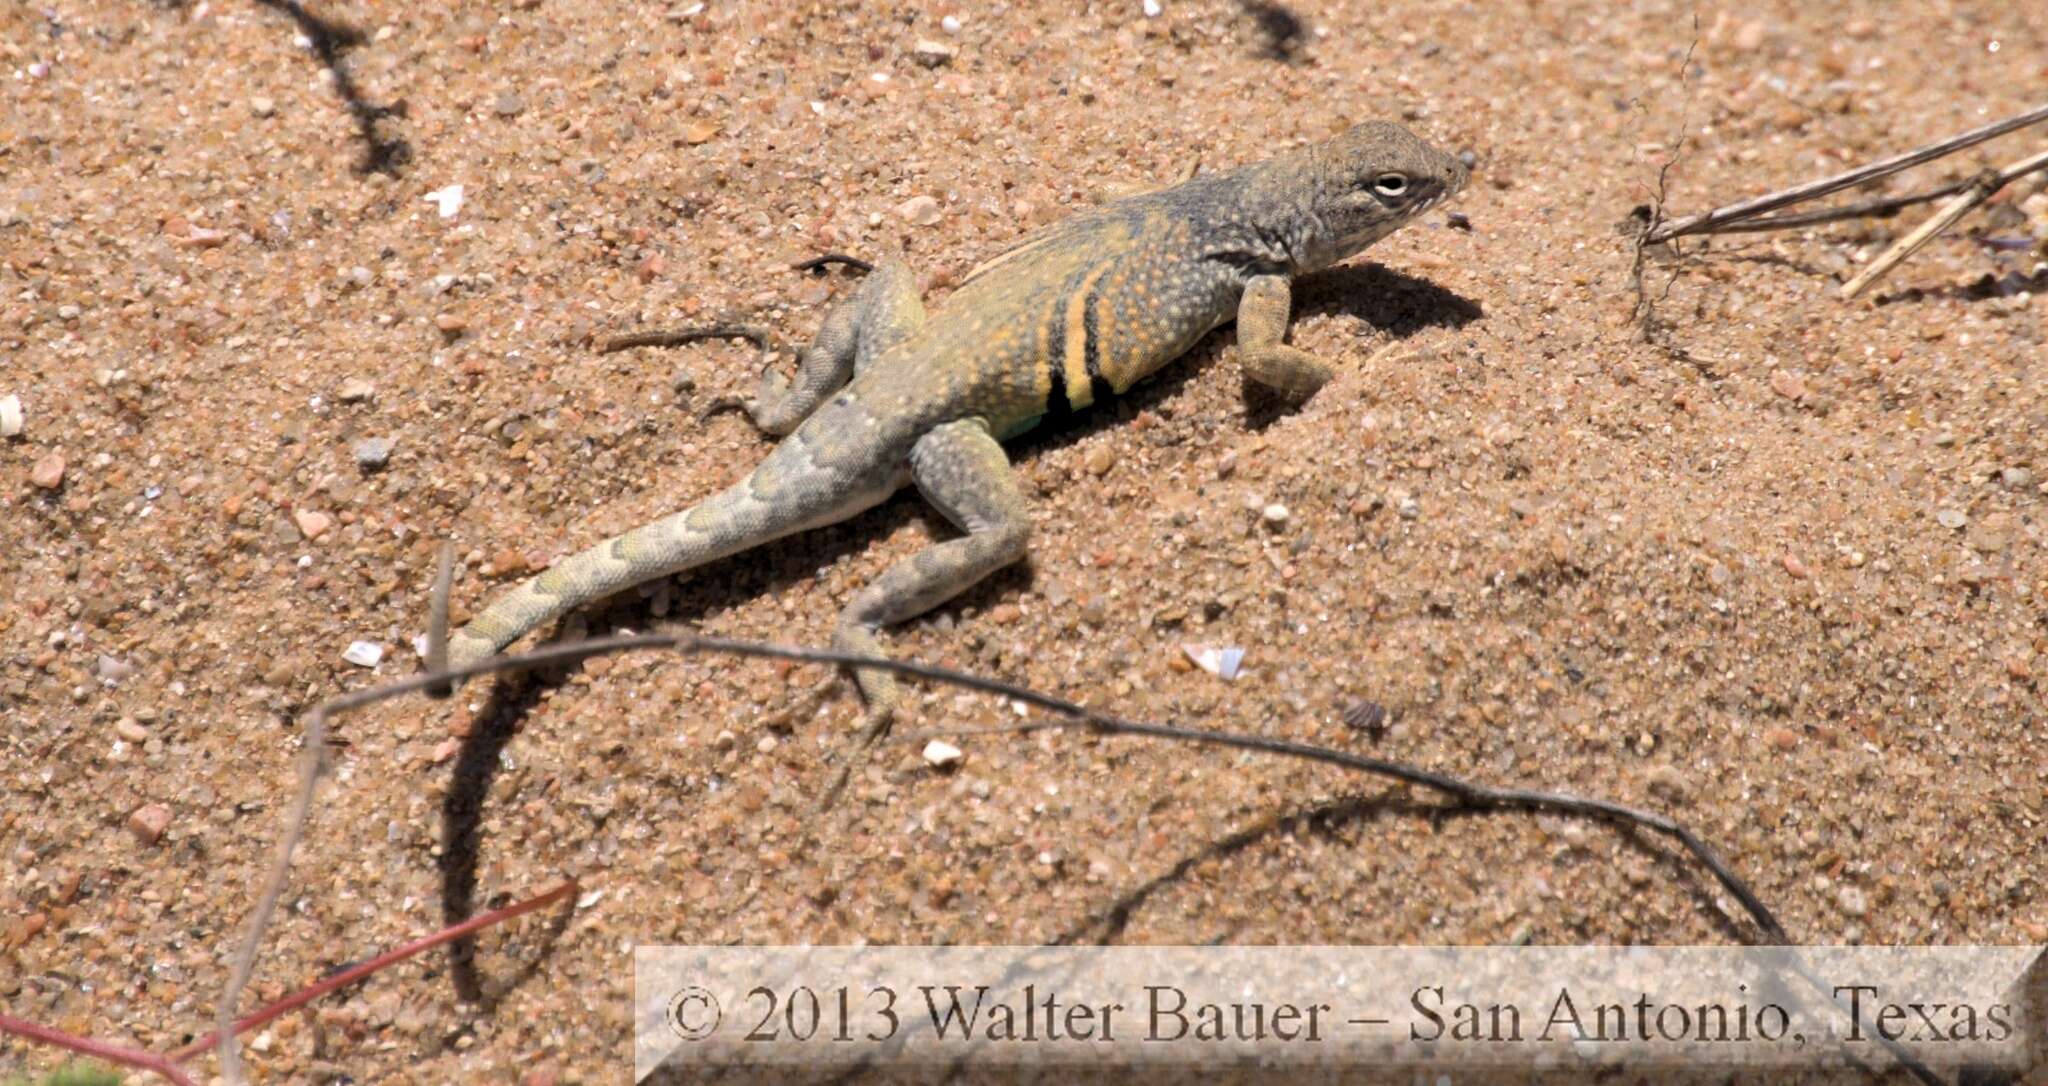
<point>1003,257</point>
<point>1080,388</point>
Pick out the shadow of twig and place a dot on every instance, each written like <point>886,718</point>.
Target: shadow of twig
<point>330,40</point>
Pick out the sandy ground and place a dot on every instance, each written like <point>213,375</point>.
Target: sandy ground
<point>1781,575</point>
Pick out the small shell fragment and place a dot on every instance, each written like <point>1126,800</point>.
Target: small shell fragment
<point>939,754</point>
<point>10,416</point>
<point>1221,661</point>
<point>364,653</point>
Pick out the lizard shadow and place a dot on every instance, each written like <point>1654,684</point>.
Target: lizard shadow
<point>1392,302</point>
<point>512,697</point>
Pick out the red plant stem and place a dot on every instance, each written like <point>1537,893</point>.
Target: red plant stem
<point>349,976</point>
<point>112,1053</point>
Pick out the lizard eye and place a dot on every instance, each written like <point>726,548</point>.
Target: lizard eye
<point>1390,184</point>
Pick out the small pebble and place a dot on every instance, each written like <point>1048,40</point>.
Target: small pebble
<point>508,104</point>
<point>1852,901</point>
<point>1275,514</point>
<point>48,472</point>
<point>939,754</point>
<point>1953,519</point>
<point>1788,384</point>
<point>312,523</point>
<point>356,390</point>
<point>261,106</point>
<point>1991,534</point>
<point>1152,9</point>
<point>149,821</point>
<point>372,453</point>
<point>950,24</point>
<point>920,210</point>
<point>1668,782</point>
<point>131,729</point>
<point>931,54</point>
<point>11,418</point>
<point>2016,478</point>
<point>364,653</point>
<point>113,669</point>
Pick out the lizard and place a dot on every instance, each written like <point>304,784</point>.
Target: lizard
<point>885,395</point>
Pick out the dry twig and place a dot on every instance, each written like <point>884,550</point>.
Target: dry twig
<point>97,1049</point>
<point>1464,792</point>
<point>168,1065</point>
<point>390,957</point>
<point>1980,190</point>
<point>1717,219</point>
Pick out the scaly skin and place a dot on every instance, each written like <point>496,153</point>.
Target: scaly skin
<point>1084,309</point>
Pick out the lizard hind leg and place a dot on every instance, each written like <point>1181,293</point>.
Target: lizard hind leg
<point>882,312</point>
<point>960,469</point>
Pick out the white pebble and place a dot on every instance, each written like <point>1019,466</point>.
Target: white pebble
<point>950,24</point>
<point>446,200</point>
<point>938,753</point>
<point>364,653</point>
<point>10,416</point>
<point>1852,901</point>
<point>1152,9</point>
<point>1223,662</point>
<point>1275,514</point>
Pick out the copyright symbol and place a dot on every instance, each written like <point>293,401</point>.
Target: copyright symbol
<point>693,1013</point>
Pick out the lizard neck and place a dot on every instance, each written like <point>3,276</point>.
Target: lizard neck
<point>1271,227</point>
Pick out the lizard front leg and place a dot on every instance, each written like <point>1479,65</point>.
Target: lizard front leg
<point>1261,325</point>
<point>882,312</point>
<point>963,472</point>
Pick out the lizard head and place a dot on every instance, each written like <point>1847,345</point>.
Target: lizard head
<point>1368,182</point>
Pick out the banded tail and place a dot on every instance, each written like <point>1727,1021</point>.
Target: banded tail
<point>786,494</point>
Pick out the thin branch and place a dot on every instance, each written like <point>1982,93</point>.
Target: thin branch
<point>312,763</point>
<point>102,1050</point>
<point>1645,309</point>
<point>1883,207</point>
<point>676,337</point>
<point>390,957</point>
<point>1985,187</point>
<point>1701,223</point>
<point>1463,791</point>
<point>825,260</point>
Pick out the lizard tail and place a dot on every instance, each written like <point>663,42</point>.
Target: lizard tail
<point>778,499</point>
